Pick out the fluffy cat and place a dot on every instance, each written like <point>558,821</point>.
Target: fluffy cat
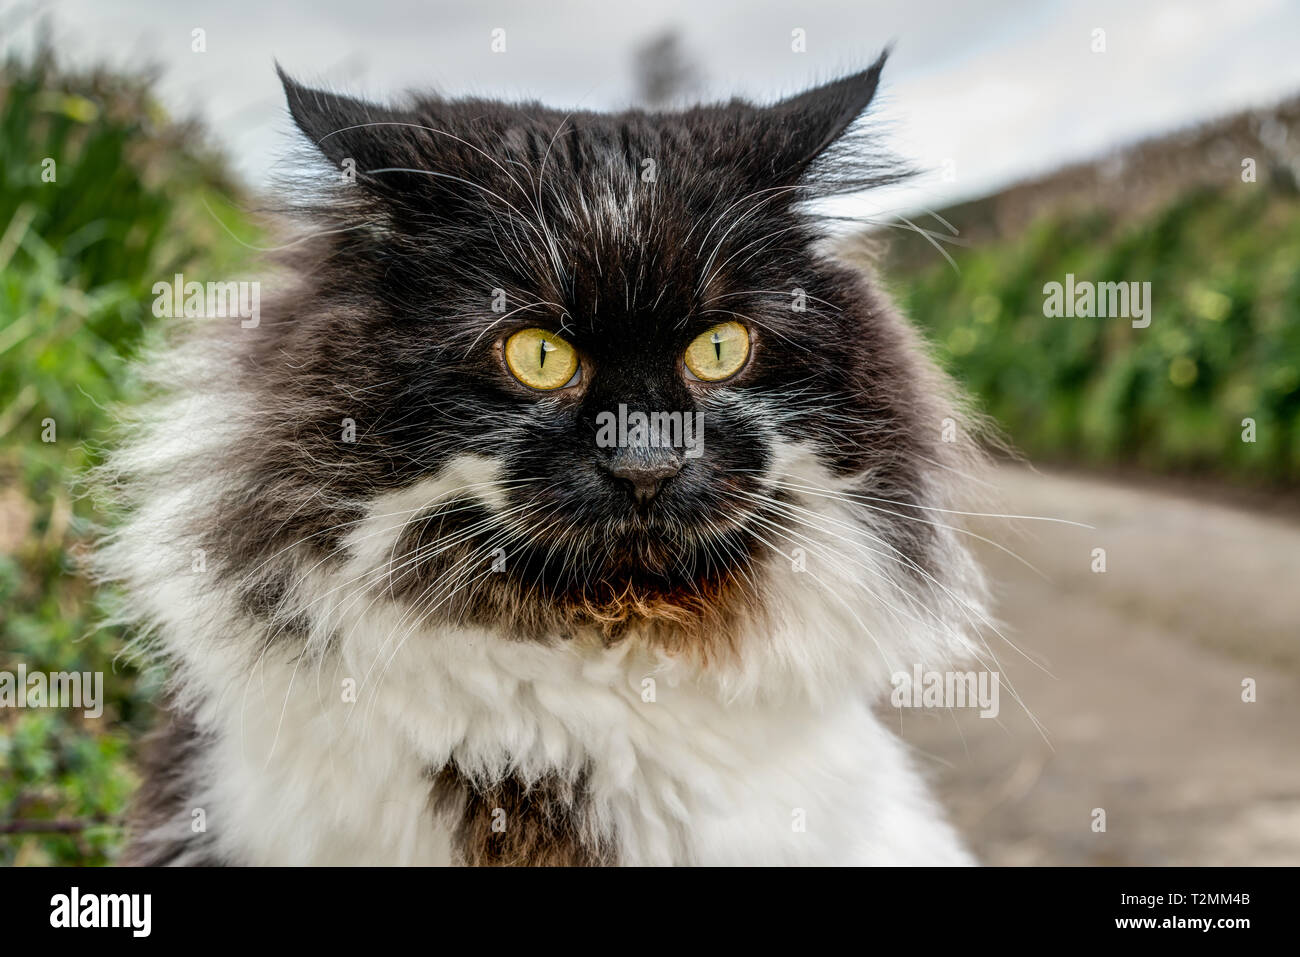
<point>417,607</point>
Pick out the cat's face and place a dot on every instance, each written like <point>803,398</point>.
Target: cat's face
<point>622,318</point>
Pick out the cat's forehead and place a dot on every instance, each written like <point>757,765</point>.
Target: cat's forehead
<point>607,206</point>
<point>614,244</point>
<point>677,227</point>
<point>606,176</point>
<point>634,219</point>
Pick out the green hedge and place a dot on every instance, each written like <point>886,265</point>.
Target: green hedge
<point>1223,344</point>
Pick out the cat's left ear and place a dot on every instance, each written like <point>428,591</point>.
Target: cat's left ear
<point>800,129</point>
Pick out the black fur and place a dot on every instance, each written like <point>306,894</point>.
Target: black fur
<point>391,325</point>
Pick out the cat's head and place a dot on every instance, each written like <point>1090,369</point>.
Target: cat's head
<point>580,359</point>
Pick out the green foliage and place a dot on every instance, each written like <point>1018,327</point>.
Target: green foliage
<point>100,196</point>
<point>1223,344</point>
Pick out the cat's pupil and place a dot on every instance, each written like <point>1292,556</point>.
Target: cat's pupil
<point>717,345</point>
<point>543,348</point>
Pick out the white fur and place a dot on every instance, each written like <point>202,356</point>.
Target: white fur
<point>719,768</point>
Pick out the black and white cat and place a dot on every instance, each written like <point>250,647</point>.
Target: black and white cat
<point>421,605</point>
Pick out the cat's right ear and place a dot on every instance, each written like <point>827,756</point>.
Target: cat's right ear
<point>353,133</point>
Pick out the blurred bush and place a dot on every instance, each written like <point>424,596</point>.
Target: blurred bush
<point>101,195</point>
<point>1223,344</point>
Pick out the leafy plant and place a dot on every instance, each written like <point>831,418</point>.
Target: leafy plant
<point>1223,344</point>
<point>101,195</point>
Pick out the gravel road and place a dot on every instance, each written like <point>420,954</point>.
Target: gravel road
<point>1137,678</point>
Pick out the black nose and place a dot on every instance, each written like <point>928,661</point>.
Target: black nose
<point>644,474</point>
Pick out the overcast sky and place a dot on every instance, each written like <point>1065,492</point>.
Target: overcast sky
<point>981,92</point>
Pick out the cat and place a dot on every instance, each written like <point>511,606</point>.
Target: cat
<point>419,605</point>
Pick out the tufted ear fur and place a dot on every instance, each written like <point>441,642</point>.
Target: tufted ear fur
<point>395,153</point>
<point>805,126</point>
<point>422,150</point>
<point>343,127</point>
<point>810,141</point>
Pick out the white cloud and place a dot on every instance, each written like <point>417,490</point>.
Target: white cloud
<point>1004,88</point>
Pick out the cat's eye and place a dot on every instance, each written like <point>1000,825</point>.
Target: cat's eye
<point>541,360</point>
<point>718,353</point>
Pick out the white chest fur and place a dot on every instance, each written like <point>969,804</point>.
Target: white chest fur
<point>322,752</point>
<point>304,776</point>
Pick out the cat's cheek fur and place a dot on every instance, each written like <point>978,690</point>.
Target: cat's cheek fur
<point>331,752</point>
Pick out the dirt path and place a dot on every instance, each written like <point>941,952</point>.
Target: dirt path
<point>1143,704</point>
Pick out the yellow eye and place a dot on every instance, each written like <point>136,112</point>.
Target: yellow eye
<point>540,359</point>
<point>718,353</point>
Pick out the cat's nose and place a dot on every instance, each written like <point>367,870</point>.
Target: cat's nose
<point>643,475</point>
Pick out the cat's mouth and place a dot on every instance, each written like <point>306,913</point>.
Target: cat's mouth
<point>468,561</point>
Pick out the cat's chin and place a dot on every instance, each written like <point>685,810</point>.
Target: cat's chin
<point>644,588</point>
<point>690,614</point>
